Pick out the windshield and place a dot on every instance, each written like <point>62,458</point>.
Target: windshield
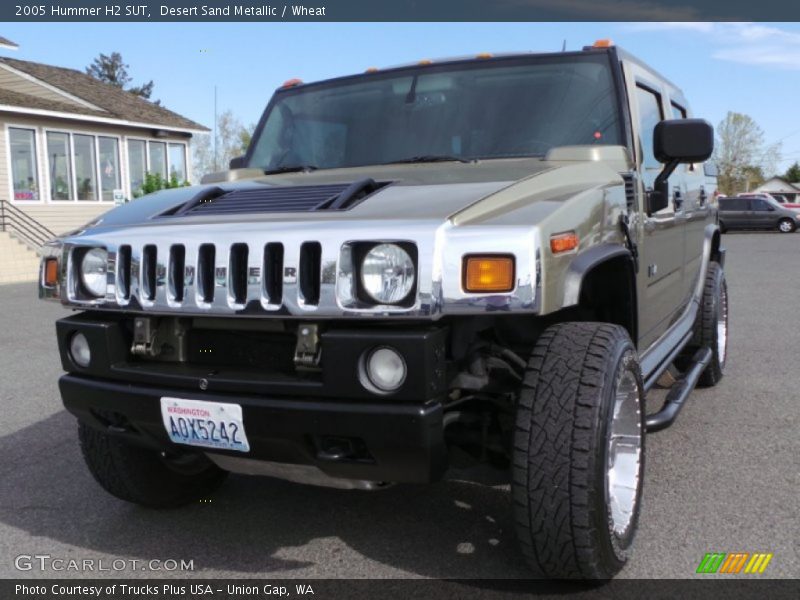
<point>466,111</point>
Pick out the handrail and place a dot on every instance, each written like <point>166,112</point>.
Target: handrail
<point>25,227</point>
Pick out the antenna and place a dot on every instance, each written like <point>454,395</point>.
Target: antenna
<point>216,168</point>
<point>564,46</point>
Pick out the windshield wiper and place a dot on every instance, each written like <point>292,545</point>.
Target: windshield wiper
<point>291,169</point>
<point>430,158</point>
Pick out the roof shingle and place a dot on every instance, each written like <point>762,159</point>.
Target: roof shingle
<point>116,102</point>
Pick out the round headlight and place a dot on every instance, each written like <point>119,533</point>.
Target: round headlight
<point>94,269</point>
<point>387,273</point>
<point>79,350</point>
<point>386,369</point>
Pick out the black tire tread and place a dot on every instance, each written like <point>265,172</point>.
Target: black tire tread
<point>137,474</point>
<point>706,327</point>
<point>554,457</point>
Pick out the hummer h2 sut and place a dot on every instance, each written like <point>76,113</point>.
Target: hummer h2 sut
<point>413,271</point>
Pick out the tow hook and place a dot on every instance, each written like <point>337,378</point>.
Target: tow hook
<point>144,336</point>
<point>307,352</point>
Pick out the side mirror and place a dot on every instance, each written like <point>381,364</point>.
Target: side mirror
<point>683,141</point>
<point>238,162</point>
<point>675,142</point>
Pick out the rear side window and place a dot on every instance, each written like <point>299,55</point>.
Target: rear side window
<point>649,116</point>
<point>733,204</point>
<point>678,112</point>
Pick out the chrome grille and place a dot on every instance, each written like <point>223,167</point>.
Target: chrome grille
<point>286,269</point>
<point>214,277</point>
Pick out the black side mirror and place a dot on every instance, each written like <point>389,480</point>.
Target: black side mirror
<point>238,162</point>
<point>675,142</point>
<point>683,141</point>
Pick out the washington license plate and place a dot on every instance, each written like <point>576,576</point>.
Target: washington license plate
<point>206,424</point>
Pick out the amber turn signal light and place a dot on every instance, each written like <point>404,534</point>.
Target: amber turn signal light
<point>488,273</point>
<point>51,272</point>
<point>564,242</point>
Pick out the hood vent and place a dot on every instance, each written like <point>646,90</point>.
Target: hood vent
<point>271,199</point>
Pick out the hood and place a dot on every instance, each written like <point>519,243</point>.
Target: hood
<point>465,192</point>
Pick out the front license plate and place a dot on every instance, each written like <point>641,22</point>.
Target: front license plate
<point>206,424</point>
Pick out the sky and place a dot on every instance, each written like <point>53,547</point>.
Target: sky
<point>742,67</point>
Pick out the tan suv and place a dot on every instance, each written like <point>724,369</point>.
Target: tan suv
<point>486,260</point>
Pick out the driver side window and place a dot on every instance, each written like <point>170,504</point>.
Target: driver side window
<point>649,116</point>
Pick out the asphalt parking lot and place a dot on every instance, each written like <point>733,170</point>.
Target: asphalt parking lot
<point>724,478</point>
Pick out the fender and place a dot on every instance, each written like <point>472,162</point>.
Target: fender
<point>583,264</point>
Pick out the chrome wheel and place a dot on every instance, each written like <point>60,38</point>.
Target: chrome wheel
<point>722,325</point>
<point>624,454</point>
<point>786,226</point>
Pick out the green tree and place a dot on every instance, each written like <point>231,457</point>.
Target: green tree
<point>111,69</point>
<point>232,140</point>
<point>741,155</point>
<point>792,174</point>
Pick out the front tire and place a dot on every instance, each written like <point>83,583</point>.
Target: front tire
<point>144,476</point>
<point>786,226</point>
<point>578,457</point>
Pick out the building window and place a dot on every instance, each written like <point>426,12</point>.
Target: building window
<point>177,162</point>
<point>158,159</point>
<point>85,166</point>
<point>137,160</point>
<point>22,144</point>
<point>60,166</point>
<point>110,179</point>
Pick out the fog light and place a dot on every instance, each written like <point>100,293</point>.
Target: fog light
<point>385,369</point>
<point>79,350</point>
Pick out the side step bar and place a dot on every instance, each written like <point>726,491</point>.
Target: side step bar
<point>679,392</point>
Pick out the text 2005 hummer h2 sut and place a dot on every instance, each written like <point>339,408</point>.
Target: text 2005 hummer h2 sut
<point>413,271</point>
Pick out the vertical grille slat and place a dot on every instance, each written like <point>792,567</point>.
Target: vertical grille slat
<point>124,272</point>
<point>205,272</point>
<point>310,268</point>
<point>177,269</point>
<point>237,273</point>
<point>149,272</point>
<point>273,273</point>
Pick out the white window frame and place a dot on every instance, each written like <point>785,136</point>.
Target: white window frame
<point>37,141</point>
<point>134,138</point>
<point>164,143</point>
<point>96,136</point>
<point>146,140</point>
<point>185,158</point>
<point>119,164</point>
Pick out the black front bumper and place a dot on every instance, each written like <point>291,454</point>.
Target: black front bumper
<point>398,442</point>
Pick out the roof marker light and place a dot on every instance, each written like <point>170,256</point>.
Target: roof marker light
<point>604,43</point>
<point>425,61</point>
<point>371,70</point>
<point>484,55</point>
<point>292,82</point>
